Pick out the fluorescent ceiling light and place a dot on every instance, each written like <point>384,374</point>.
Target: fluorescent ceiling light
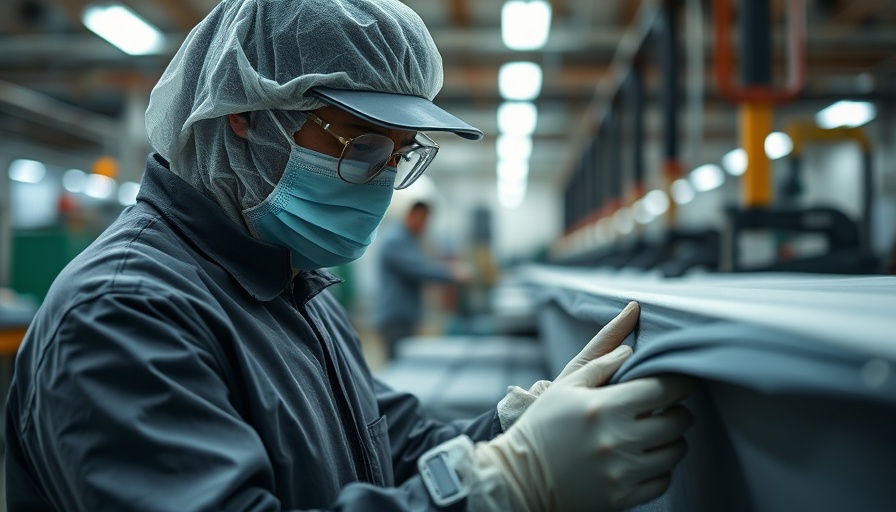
<point>127,193</point>
<point>656,202</point>
<point>99,186</point>
<point>520,81</point>
<point>640,212</point>
<point>511,193</point>
<point>513,169</point>
<point>778,145</point>
<point>525,25</point>
<point>846,113</point>
<point>682,191</point>
<point>123,28</point>
<point>735,162</point>
<point>623,221</point>
<point>514,147</point>
<point>74,180</point>
<point>517,118</point>
<point>707,177</point>
<point>27,171</point>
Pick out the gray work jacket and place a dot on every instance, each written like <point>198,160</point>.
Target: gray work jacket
<point>175,367</point>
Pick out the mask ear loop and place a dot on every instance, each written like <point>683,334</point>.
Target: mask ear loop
<point>283,132</point>
<point>282,129</point>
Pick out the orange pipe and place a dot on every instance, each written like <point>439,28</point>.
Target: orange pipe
<point>755,125</point>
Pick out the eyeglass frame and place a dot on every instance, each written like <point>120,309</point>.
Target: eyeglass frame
<point>427,143</point>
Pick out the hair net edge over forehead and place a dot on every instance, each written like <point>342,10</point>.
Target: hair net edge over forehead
<point>257,55</point>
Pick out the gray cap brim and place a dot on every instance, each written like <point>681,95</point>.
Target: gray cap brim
<point>396,111</point>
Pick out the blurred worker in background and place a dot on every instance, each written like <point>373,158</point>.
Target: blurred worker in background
<point>192,359</point>
<point>404,267</point>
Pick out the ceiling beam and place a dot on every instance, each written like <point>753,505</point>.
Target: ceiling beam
<point>38,107</point>
<point>71,8</point>
<point>559,8</point>
<point>853,13</point>
<point>486,77</point>
<point>459,11</point>
<point>467,45</point>
<point>184,15</point>
<point>628,11</point>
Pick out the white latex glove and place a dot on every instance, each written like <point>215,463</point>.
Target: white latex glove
<point>611,336</point>
<point>580,447</point>
<point>605,341</point>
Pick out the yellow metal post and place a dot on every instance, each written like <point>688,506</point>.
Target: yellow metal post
<point>755,125</point>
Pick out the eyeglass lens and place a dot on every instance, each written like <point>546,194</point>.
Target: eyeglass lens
<point>371,153</point>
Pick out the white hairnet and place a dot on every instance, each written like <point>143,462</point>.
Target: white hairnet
<point>256,55</point>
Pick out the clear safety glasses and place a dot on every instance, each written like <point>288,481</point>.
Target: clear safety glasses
<point>371,153</point>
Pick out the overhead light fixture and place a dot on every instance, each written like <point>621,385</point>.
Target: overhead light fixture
<point>513,169</point>
<point>707,177</point>
<point>517,118</point>
<point>27,171</point>
<point>519,81</point>
<point>846,114</point>
<point>123,28</point>
<point>74,180</point>
<point>525,25</point>
<point>682,191</point>
<point>657,202</point>
<point>735,162</point>
<point>778,145</point>
<point>127,193</point>
<point>99,186</point>
<point>511,193</point>
<point>640,213</point>
<point>623,221</point>
<point>513,147</point>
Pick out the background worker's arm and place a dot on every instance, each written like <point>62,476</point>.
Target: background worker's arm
<point>404,256</point>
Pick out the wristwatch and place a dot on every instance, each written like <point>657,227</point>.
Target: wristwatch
<point>438,470</point>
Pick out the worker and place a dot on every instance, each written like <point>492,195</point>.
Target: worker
<point>403,269</point>
<point>191,358</point>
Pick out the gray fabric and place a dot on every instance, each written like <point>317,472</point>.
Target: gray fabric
<point>854,313</point>
<point>783,420</point>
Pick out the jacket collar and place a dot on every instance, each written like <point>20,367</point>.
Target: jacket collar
<point>262,269</point>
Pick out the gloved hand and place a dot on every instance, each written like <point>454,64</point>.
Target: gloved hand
<point>580,447</point>
<point>605,341</point>
<point>518,399</point>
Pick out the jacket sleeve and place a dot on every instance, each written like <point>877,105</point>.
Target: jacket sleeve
<point>411,434</point>
<point>404,256</point>
<point>130,410</point>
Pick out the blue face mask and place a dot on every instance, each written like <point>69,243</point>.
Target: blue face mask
<point>322,220</point>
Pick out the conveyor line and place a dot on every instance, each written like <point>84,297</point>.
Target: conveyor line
<point>797,404</point>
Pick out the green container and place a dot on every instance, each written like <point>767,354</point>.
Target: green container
<point>39,255</point>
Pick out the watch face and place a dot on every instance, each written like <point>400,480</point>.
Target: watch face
<point>444,478</point>
<point>441,479</point>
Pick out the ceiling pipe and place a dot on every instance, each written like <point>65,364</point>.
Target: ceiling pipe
<point>18,100</point>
